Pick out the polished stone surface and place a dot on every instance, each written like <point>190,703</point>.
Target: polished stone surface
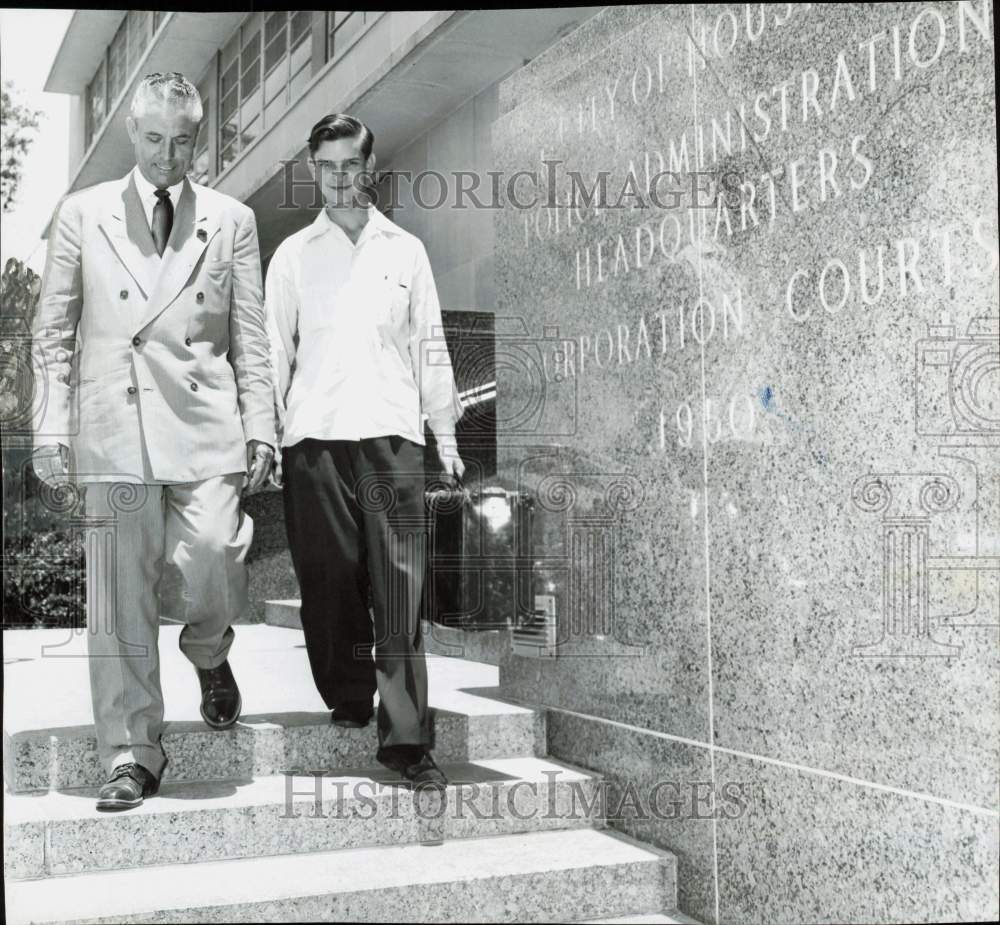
<point>24,851</point>
<point>764,412</point>
<point>471,645</point>
<point>657,792</point>
<point>284,613</point>
<point>814,849</point>
<point>213,820</point>
<point>569,54</point>
<point>532,877</point>
<point>794,845</point>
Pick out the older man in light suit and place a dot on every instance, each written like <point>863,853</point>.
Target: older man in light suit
<point>151,311</point>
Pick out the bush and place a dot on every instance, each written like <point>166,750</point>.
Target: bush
<point>44,581</point>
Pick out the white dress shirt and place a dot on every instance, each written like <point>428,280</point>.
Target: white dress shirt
<point>357,344</point>
<point>147,193</point>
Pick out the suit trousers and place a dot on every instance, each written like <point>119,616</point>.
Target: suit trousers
<point>130,531</point>
<point>354,512</point>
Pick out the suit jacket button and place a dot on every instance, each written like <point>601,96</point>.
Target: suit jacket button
<point>187,341</point>
<point>123,294</point>
<point>132,390</point>
<point>194,386</point>
<point>136,341</point>
<point>200,297</point>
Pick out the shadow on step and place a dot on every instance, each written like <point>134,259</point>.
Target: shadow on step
<point>456,772</point>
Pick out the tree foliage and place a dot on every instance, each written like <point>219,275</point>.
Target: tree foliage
<point>17,125</point>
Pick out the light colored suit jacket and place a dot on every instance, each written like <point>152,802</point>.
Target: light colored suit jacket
<point>150,368</point>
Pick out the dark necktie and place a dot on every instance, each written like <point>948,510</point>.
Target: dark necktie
<point>163,220</point>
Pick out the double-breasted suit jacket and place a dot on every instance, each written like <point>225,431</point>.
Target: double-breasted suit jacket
<point>153,369</point>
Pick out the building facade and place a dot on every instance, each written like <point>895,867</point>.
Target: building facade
<point>769,562</point>
<point>424,81</point>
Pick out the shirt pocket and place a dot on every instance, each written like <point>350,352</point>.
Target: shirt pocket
<point>393,304</point>
<point>401,305</point>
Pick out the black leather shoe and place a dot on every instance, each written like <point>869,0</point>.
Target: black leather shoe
<point>126,788</point>
<point>354,714</point>
<point>220,697</point>
<point>414,763</point>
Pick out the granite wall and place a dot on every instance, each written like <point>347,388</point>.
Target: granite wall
<point>755,383</point>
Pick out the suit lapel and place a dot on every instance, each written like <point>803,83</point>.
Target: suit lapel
<point>128,233</point>
<point>193,228</point>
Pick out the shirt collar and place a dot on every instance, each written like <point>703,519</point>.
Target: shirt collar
<point>377,224</point>
<point>148,191</point>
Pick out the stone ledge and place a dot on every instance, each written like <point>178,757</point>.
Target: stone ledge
<point>63,833</point>
<point>536,876</point>
<point>48,723</point>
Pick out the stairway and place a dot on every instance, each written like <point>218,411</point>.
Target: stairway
<point>233,837</point>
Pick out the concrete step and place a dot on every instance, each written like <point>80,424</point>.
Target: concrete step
<point>63,833</point>
<point>472,645</point>
<point>283,613</point>
<point>49,741</point>
<point>645,918</point>
<point>541,876</point>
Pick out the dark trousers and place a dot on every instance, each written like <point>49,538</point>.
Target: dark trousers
<point>354,512</point>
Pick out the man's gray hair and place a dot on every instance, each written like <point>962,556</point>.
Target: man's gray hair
<point>173,89</point>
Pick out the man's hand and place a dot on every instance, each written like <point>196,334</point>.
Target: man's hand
<point>275,476</point>
<point>260,458</point>
<point>451,462</point>
<point>51,464</point>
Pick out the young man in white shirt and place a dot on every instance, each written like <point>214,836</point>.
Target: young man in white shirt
<point>351,302</point>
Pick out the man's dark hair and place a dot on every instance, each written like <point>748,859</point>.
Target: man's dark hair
<point>340,125</point>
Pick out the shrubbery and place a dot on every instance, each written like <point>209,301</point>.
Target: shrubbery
<point>44,581</point>
<point>43,573</point>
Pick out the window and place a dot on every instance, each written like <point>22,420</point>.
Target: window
<point>200,166</point>
<point>343,26</point>
<point>287,56</point>
<point>300,33</point>
<point>263,68</point>
<point>229,94</point>
<point>275,66</point>
<point>139,32</point>
<point>117,66</point>
<point>241,89</point>
<point>118,62</point>
<point>96,105</point>
<point>275,39</point>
